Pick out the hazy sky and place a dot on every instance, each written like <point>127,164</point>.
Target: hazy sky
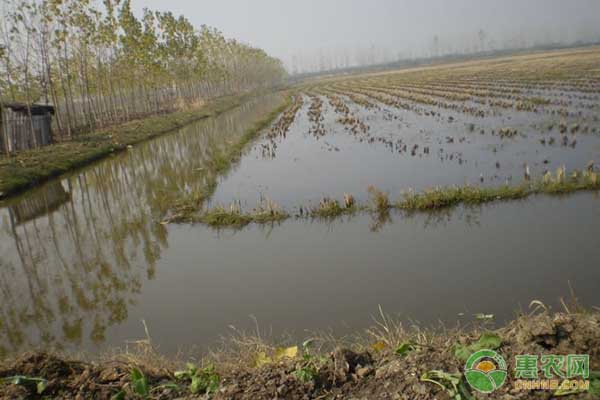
<point>286,28</point>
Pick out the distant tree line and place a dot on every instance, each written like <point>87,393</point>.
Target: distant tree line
<point>98,64</point>
<point>479,42</point>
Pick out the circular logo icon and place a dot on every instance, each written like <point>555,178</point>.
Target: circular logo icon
<point>486,371</point>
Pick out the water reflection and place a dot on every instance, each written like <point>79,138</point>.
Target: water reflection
<point>306,275</point>
<point>74,253</point>
<point>83,259</point>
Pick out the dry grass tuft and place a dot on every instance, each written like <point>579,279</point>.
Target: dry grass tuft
<point>379,199</point>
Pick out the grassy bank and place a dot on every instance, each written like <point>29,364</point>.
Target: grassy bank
<point>380,202</point>
<point>186,208</point>
<point>388,360</point>
<point>28,168</point>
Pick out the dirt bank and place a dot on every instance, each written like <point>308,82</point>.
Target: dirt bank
<point>397,366</point>
<point>29,168</point>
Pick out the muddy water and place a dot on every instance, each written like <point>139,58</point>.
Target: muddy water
<point>83,259</point>
<point>461,149</point>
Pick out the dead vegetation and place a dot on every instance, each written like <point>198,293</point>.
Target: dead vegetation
<point>388,359</point>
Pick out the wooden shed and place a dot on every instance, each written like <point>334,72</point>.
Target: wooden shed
<point>24,127</point>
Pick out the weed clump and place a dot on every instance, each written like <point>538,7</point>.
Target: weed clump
<point>562,184</point>
<point>431,199</point>
<point>221,216</point>
<point>447,197</point>
<point>331,208</point>
<point>266,212</point>
<point>380,200</point>
<point>349,201</point>
<point>327,208</point>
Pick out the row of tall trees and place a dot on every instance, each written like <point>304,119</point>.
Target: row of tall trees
<point>100,64</point>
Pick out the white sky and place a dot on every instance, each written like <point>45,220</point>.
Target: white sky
<point>285,28</point>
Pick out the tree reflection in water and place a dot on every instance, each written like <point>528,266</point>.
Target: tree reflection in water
<point>74,254</point>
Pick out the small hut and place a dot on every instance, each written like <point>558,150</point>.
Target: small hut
<point>24,126</point>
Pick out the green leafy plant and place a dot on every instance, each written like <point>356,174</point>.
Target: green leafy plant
<point>37,385</point>
<point>488,340</point>
<point>451,383</point>
<point>308,369</point>
<point>119,396</point>
<point>139,383</point>
<point>139,386</point>
<point>306,373</point>
<point>405,348</point>
<point>205,380</point>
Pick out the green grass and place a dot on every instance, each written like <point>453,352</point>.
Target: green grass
<point>451,196</point>
<point>186,208</point>
<point>29,168</point>
<point>472,195</point>
<point>219,216</point>
<point>427,200</point>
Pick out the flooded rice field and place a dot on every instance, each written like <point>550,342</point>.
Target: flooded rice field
<point>399,150</point>
<point>409,131</point>
<point>84,259</point>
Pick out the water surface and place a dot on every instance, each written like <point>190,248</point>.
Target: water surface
<point>303,167</point>
<point>84,259</point>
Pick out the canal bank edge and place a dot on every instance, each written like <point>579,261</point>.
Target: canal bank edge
<point>390,361</point>
<point>27,169</point>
